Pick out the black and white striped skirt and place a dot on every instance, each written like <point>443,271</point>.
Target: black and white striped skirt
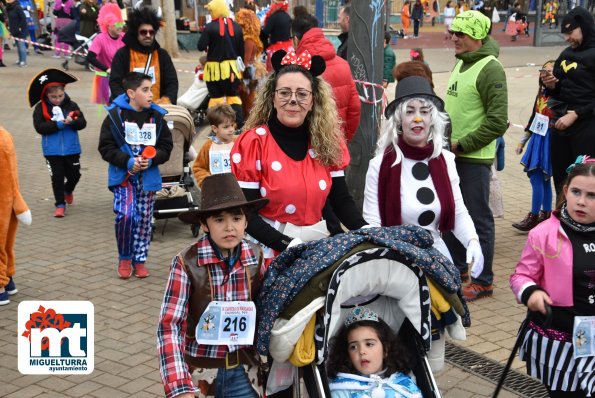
<point>552,362</point>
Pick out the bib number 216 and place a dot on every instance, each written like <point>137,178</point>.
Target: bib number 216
<point>227,323</point>
<point>234,324</point>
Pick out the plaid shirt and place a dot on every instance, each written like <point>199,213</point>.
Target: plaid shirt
<point>172,341</point>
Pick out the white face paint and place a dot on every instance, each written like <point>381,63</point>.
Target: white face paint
<point>416,122</point>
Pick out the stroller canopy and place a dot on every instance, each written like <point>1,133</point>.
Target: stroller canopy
<point>384,288</point>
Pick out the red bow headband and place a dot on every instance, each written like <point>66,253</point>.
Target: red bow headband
<point>313,63</point>
<point>304,59</point>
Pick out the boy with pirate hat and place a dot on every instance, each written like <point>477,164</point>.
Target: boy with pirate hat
<point>58,119</point>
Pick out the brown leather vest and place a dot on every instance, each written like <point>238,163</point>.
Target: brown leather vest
<point>201,295</point>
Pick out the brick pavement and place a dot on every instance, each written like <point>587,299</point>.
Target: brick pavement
<point>74,258</point>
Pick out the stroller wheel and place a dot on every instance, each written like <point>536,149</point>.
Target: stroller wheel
<point>195,228</point>
<point>65,65</point>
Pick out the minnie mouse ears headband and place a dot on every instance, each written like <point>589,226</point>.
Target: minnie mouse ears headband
<point>581,159</point>
<point>313,63</point>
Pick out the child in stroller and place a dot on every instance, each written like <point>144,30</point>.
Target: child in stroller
<point>312,287</point>
<point>365,356</point>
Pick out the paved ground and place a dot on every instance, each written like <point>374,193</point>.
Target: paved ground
<point>75,258</point>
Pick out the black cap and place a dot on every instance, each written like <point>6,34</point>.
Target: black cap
<point>569,24</point>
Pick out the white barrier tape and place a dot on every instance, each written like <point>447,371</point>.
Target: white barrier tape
<point>186,71</point>
<point>50,47</point>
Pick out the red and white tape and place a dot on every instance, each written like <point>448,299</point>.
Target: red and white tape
<point>75,52</point>
<point>374,86</point>
<point>50,47</point>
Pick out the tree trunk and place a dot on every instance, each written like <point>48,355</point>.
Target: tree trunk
<point>170,40</point>
<point>366,57</point>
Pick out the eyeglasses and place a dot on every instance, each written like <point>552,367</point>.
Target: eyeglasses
<point>460,35</point>
<point>146,32</point>
<point>301,94</point>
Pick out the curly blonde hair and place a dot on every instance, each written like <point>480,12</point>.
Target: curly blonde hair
<point>324,125</point>
<point>250,24</point>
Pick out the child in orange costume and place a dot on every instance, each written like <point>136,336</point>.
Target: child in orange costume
<point>405,17</point>
<point>12,209</point>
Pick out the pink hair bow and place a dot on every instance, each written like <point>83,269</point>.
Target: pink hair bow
<point>304,59</point>
<point>413,54</point>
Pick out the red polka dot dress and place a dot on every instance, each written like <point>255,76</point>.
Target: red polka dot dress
<point>297,189</point>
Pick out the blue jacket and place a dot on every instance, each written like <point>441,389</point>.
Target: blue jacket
<point>59,138</point>
<point>117,152</point>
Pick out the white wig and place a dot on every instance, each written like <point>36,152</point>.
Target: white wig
<point>393,127</point>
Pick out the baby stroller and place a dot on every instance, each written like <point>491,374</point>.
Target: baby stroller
<point>80,44</point>
<point>196,99</point>
<point>178,191</point>
<point>333,275</point>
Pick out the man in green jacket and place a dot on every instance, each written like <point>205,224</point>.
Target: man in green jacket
<point>477,102</point>
<point>389,61</point>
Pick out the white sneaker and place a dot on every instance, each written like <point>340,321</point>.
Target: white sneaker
<point>56,56</point>
<point>22,65</point>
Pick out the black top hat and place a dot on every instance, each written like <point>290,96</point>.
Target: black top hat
<point>221,192</point>
<point>44,79</point>
<point>409,87</point>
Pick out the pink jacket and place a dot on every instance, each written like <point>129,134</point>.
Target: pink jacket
<point>546,261</point>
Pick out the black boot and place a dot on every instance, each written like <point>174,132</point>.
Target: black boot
<point>543,215</point>
<point>2,64</point>
<point>530,221</point>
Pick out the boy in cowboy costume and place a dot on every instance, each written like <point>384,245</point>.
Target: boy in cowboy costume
<point>208,316</point>
<point>58,119</point>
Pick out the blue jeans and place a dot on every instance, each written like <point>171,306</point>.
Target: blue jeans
<point>475,187</point>
<point>22,49</point>
<point>234,383</point>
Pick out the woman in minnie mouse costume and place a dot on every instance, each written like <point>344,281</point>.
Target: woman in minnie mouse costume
<point>293,135</point>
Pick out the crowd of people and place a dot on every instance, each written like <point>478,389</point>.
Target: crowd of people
<point>432,169</point>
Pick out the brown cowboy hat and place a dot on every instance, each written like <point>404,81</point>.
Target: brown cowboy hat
<point>221,192</point>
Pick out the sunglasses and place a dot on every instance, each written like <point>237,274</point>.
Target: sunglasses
<point>460,35</point>
<point>146,32</point>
